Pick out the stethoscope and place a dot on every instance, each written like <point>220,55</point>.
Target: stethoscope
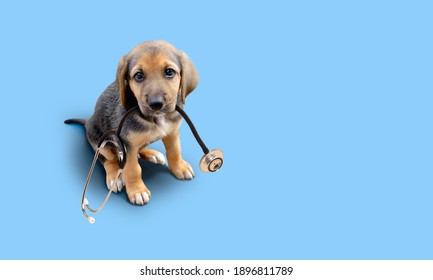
<point>211,161</point>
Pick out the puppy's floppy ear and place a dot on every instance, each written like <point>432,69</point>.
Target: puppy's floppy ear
<point>188,76</point>
<point>121,80</point>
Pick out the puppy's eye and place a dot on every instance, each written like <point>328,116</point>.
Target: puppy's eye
<point>139,77</point>
<point>169,73</point>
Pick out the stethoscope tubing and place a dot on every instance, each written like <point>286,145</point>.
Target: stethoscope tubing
<point>84,201</point>
<point>120,147</point>
<point>118,143</point>
<point>193,129</point>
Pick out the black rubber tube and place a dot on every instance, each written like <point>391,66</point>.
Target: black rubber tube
<point>193,130</point>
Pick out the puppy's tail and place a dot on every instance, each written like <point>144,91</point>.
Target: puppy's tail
<point>76,121</point>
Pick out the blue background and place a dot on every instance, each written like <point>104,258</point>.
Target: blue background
<point>323,110</point>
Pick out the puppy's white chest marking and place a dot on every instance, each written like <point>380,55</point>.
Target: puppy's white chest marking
<point>162,126</point>
<point>155,131</point>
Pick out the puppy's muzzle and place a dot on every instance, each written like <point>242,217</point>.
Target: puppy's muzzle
<point>155,102</point>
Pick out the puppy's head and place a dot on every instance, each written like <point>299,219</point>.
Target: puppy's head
<point>155,76</point>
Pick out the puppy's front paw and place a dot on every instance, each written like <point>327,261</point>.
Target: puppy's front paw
<point>140,196</point>
<point>116,186</point>
<point>182,171</point>
<point>152,156</point>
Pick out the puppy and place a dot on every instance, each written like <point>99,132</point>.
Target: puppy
<point>156,77</point>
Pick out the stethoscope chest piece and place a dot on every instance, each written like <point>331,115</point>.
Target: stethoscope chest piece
<point>212,161</point>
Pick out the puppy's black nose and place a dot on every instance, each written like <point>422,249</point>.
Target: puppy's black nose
<point>156,102</point>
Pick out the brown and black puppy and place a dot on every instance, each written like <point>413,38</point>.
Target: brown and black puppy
<point>156,77</point>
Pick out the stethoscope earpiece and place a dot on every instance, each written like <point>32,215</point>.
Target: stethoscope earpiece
<point>212,161</point>
<point>91,220</point>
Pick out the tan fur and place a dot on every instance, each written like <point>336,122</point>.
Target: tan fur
<point>188,74</point>
<point>152,59</point>
<point>132,177</point>
<point>189,77</point>
<point>175,162</point>
<point>120,79</point>
<point>111,168</point>
<point>146,153</point>
<point>154,66</point>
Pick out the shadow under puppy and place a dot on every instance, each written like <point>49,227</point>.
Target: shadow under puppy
<point>155,76</point>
